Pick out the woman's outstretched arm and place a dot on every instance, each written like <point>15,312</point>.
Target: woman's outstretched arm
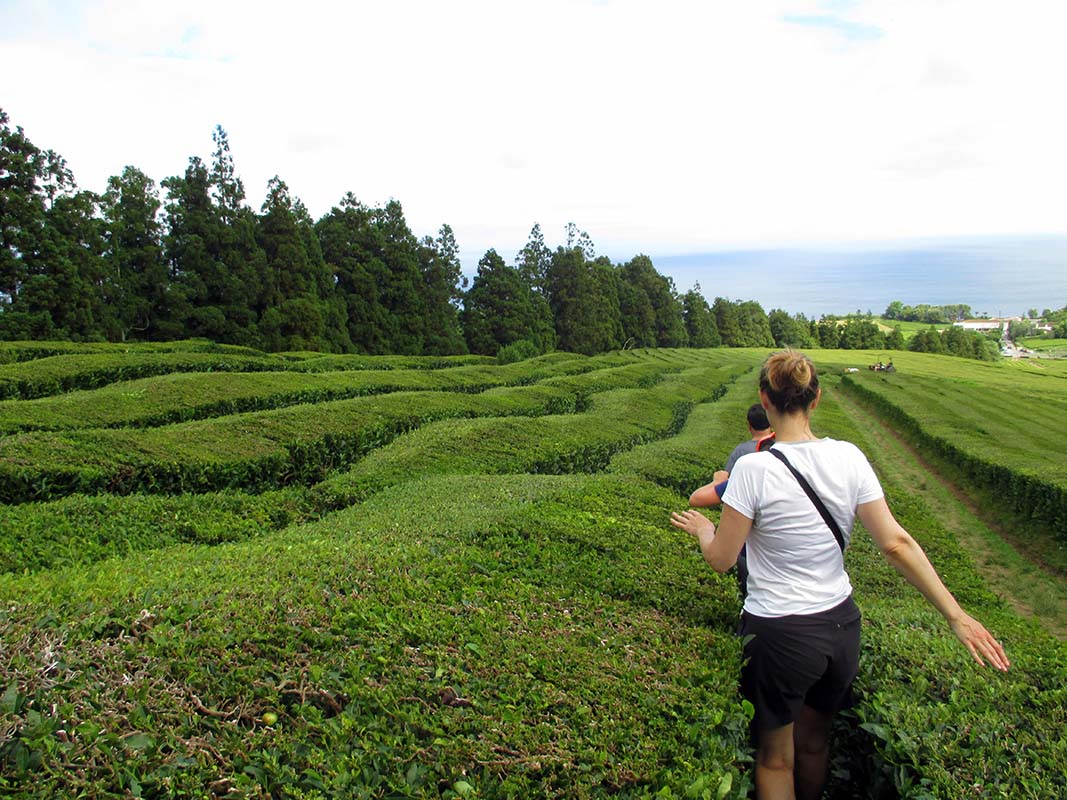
<point>908,558</point>
<point>719,548</point>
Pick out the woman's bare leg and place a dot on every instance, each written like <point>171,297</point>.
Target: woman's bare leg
<point>774,764</point>
<point>811,745</point>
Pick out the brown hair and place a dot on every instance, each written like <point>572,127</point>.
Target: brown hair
<point>790,381</point>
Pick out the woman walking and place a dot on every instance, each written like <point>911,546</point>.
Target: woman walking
<point>801,624</point>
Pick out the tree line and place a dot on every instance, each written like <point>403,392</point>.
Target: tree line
<point>129,265</point>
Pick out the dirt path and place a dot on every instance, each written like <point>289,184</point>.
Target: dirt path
<point>1017,577</point>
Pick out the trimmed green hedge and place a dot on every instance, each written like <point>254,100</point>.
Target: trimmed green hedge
<point>523,636</point>
<point>487,636</point>
<point>80,530</point>
<point>15,352</point>
<point>687,461</point>
<point>1039,495</point>
<point>930,723</point>
<point>615,421</point>
<point>252,452</point>
<point>181,397</point>
<point>64,373</point>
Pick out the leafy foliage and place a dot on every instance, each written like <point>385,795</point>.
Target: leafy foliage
<point>462,632</point>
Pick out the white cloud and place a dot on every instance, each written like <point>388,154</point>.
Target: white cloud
<point>659,128</point>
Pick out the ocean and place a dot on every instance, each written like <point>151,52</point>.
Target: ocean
<point>995,276</point>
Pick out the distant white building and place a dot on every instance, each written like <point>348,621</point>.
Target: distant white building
<point>985,324</point>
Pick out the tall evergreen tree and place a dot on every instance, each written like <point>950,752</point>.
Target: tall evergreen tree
<point>69,286</point>
<point>755,329</point>
<point>658,321</point>
<point>137,286</point>
<point>534,259</point>
<point>699,321</point>
<point>828,332</point>
<point>402,292</point>
<point>304,314</point>
<point>245,296</point>
<point>442,291</point>
<point>606,315</point>
<point>789,331</point>
<point>636,312</point>
<point>353,246</point>
<point>197,277</point>
<point>501,308</point>
<point>581,298</point>
<point>32,281</point>
<point>727,321</point>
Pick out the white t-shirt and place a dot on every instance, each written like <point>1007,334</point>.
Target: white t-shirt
<point>795,565</point>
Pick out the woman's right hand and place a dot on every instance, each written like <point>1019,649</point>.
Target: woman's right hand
<point>980,642</point>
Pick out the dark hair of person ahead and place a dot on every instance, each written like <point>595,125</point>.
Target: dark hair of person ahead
<point>757,418</point>
<point>790,381</point>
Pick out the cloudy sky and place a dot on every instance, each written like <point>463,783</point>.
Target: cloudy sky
<point>662,127</point>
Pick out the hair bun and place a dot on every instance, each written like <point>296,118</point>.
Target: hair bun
<point>790,380</point>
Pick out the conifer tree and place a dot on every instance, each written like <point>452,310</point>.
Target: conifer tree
<point>534,259</point>
<point>651,310</point>
<point>699,321</point>
<point>790,331</point>
<point>402,289</point>
<point>500,308</point>
<point>727,321</point>
<point>352,245</point>
<point>137,286</point>
<point>301,316</point>
<point>33,282</point>
<point>244,297</point>
<point>191,244</point>
<point>442,291</point>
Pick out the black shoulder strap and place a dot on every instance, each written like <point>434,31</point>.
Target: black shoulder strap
<point>819,505</point>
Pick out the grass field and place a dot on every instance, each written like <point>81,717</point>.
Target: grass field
<point>460,582</point>
<point>908,329</point>
<point>1039,344</point>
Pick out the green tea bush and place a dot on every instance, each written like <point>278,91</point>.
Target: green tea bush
<point>180,397</point>
<point>1031,479</point>
<point>81,529</point>
<point>530,636</point>
<point>687,461</point>
<point>250,452</point>
<point>929,722</point>
<point>615,421</point>
<point>64,373</point>
<point>517,351</point>
<point>345,363</point>
<point>13,352</point>
<point>468,635</point>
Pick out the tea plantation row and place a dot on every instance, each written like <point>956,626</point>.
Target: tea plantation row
<point>81,529</point>
<point>465,633</point>
<point>264,450</point>
<point>54,374</point>
<point>1009,439</point>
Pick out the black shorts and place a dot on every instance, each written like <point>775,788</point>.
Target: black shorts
<point>798,660</point>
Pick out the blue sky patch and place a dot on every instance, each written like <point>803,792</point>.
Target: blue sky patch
<point>853,31</point>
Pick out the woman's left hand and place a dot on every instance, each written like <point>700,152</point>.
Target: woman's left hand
<point>693,523</point>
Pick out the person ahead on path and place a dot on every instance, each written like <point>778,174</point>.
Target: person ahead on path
<point>800,623</point>
<point>759,431</point>
<point>759,428</point>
